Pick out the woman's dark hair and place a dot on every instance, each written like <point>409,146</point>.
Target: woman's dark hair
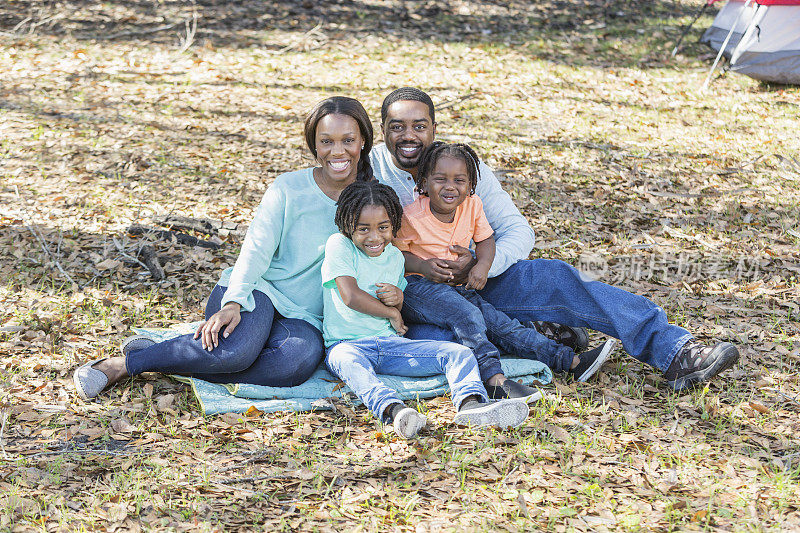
<point>358,195</point>
<point>342,105</point>
<point>438,149</point>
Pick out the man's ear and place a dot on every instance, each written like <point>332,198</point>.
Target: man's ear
<point>434,130</point>
<point>383,132</point>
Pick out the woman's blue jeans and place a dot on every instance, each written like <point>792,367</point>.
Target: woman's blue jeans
<point>554,291</point>
<point>264,349</point>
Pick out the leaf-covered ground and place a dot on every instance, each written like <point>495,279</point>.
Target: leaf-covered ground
<point>126,112</point>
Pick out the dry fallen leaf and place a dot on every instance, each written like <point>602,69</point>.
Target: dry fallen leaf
<point>165,401</point>
<point>761,408</point>
<point>120,425</point>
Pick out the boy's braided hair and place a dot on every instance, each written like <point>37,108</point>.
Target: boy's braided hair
<point>438,149</point>
<point>358,195</point>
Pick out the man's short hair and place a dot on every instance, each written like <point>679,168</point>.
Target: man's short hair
<point>407,93</point>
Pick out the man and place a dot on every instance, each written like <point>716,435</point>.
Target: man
<point>539,289</point>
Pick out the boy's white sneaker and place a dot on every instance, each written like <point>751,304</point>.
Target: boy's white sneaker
<point>502,414</point>
<point>408,422</point>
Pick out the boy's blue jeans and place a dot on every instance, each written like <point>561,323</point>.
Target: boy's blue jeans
<point>264,349</point>
<point>479,326</point>
<point>554,291</point>
<point>357,362</point>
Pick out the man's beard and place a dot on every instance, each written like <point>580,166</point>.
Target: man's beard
<point>406,162</point>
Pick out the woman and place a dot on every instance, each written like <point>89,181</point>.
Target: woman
<point>264,317</point>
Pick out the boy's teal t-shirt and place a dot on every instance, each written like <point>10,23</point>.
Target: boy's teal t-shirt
<point>342,258</point>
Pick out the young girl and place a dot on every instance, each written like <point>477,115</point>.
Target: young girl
<point>362,280</point>
<point>447,213</point>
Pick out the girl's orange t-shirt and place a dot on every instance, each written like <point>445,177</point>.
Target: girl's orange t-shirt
<point>427,237</point>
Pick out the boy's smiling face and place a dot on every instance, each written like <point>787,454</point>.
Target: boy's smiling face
<point>373,230</point>
<point>447,187</point>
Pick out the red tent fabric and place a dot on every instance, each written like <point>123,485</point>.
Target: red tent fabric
<point>764,2</point>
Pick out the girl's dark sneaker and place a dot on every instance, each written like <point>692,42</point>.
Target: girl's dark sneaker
<point>515,391</point>
<point>697,362</point>
<point>575,338</point>
<point>592,360</point>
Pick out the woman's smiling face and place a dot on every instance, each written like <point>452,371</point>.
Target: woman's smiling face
<point>338,144</point>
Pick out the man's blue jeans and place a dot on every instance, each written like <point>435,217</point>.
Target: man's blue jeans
<point>264,349</point>
<point>554,291</point>
<point>479,326</point>
<point>357,362</point>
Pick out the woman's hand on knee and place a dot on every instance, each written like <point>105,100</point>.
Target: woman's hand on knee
<point>228,317</point>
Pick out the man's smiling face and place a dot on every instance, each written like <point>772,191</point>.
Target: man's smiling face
<point>407,130</point>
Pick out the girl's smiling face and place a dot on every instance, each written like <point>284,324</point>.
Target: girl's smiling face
<point>338,144</point>
<point>447,187</point>
<point>373,230</point>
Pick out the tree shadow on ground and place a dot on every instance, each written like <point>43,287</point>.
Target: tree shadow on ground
<point>249,23</point>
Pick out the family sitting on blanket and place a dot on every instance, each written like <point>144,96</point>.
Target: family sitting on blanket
<point>264,319</point>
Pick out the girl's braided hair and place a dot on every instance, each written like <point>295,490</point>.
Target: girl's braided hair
<point>438,149</point>
<point>358,195</point>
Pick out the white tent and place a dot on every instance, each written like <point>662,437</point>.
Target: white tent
<point>761,38</point>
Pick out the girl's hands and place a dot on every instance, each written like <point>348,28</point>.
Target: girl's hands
<point>229,317</point>
<point>477,277</point>
<point>389,295</point>
<point>437,270</point>
<point>461,266</point>
<point>396,322</point>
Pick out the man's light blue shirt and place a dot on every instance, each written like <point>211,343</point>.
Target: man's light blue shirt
<point>513,235</point>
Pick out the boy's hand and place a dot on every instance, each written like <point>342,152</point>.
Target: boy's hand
<point>437,270</point>
<point>477,277</point>
<point>396,321</point>
<point>389,295</point>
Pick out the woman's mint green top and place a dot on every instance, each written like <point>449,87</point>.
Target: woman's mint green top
<point>283,249</point>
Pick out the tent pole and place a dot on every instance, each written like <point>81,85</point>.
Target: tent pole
<point>689,27</point>
<point>757,17</point>
<point>724,45</point>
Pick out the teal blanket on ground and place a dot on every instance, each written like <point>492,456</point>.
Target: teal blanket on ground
<point>312,395</point>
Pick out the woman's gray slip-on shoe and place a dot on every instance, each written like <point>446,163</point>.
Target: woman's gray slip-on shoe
<point>89,382</point>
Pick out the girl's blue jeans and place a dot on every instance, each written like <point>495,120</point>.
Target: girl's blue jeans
<point>264,349</point>
<point>476,324</point>
<point>554,291</point>
<point>357,362</point>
